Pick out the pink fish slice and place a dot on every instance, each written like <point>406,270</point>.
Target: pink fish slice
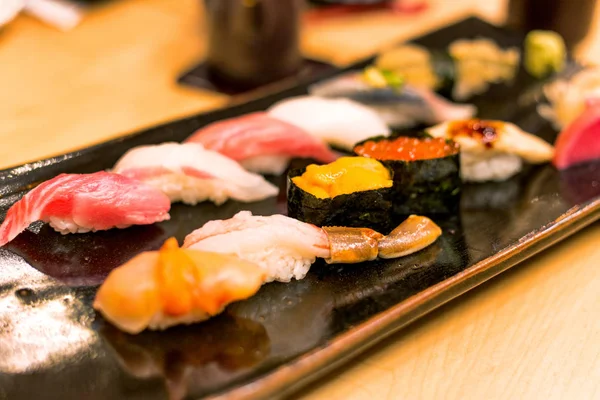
<point>261,143</point>
<point>79,203</point>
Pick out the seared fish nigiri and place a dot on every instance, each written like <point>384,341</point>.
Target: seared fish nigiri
<point>158,289</point>
<point>493,150</point>
<point>286,248</point>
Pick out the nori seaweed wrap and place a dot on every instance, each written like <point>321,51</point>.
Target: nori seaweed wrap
<point>426,173</point>
<point>361,208</point>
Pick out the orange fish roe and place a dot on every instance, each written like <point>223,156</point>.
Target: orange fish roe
<point>407,149</point>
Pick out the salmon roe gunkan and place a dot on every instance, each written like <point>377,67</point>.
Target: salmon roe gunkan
<point>407,149</point>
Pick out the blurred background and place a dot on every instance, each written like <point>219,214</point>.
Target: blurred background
<point>86,71</point>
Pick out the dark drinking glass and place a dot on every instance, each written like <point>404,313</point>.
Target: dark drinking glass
<point>571,18</point>
<point>253,42</point>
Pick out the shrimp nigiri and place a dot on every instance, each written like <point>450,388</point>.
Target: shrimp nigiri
<point>158,289</point>
<point>286,248</point>
<point>261,143</point>
<point>79,203</point>
<point>191,174</point>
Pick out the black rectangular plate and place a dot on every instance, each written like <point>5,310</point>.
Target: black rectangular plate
<point>53,345</point>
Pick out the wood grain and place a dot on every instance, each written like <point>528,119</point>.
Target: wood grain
<point>530,333</point>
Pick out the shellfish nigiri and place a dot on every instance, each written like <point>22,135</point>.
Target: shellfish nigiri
<point>261,143</point>
<point>158,289</point>
<point>285,248</point>
<point>79,203</point>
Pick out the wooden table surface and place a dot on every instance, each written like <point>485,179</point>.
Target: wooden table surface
<point>532,333</point>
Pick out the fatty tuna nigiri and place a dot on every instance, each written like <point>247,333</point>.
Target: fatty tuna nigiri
<point>74,203</point>
<point>158,289</point>
<point>285,248</point>
<point>190,173</point>
<point>261,143</point>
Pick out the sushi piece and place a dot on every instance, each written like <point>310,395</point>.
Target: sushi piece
<point>158,289</point>
<point>352,191</point>
<point>579,142</point>
<point>479,63</point>
<point>285,248</point>
<point>426,172</point>
<point>568,98</point>
<point>191,174</point>
<point>399,107</point>
<point>79,203</point>
<point>412,235</point>
<point>340,122</point>
<point>545,53</point>
<point>414,63</point>
<point>466,69</point>
<point>493,150</point>
<point>261,143</point>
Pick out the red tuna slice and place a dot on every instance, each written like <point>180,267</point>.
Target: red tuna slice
<point>86,202</point>
<point>258,134</point>
<point>579,142</point>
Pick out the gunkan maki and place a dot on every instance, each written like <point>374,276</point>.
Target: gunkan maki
<point>351,191</point>
<point>426,172</point>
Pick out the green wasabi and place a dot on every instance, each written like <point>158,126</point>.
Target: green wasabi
<point>381,78</point>
<point>545,53</point>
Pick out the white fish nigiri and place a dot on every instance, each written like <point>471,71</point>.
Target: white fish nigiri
<point>340,122</point>
<point>191,174</point>
<point>493,150</point>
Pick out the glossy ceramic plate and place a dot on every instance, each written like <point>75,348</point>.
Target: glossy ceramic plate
<point>53,345</point>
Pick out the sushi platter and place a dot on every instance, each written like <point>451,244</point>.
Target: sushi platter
<point>245,252</point>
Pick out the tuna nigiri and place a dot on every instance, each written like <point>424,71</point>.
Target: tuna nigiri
<point>74,203</point>
<point>158,289</point>
<point>191,174</point>
<point>261,143</point>
<point>339,122</point>
<point>493,150</point>
<point>402,107</point>
<point>286,248</point>
<point>579,141</point>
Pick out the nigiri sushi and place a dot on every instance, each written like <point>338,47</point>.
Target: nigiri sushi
<point>467,68</point>
<point>340,122</point>
<point>191,174</point>
<point>480,62</point>
<point>570,97</point>
<point>579,142</point>
<point>158,289</point>
<point>261,143</point>
<point>286,248</point>
<point>402,107</point>
<point>492,150</point>
<point>79,203</point>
